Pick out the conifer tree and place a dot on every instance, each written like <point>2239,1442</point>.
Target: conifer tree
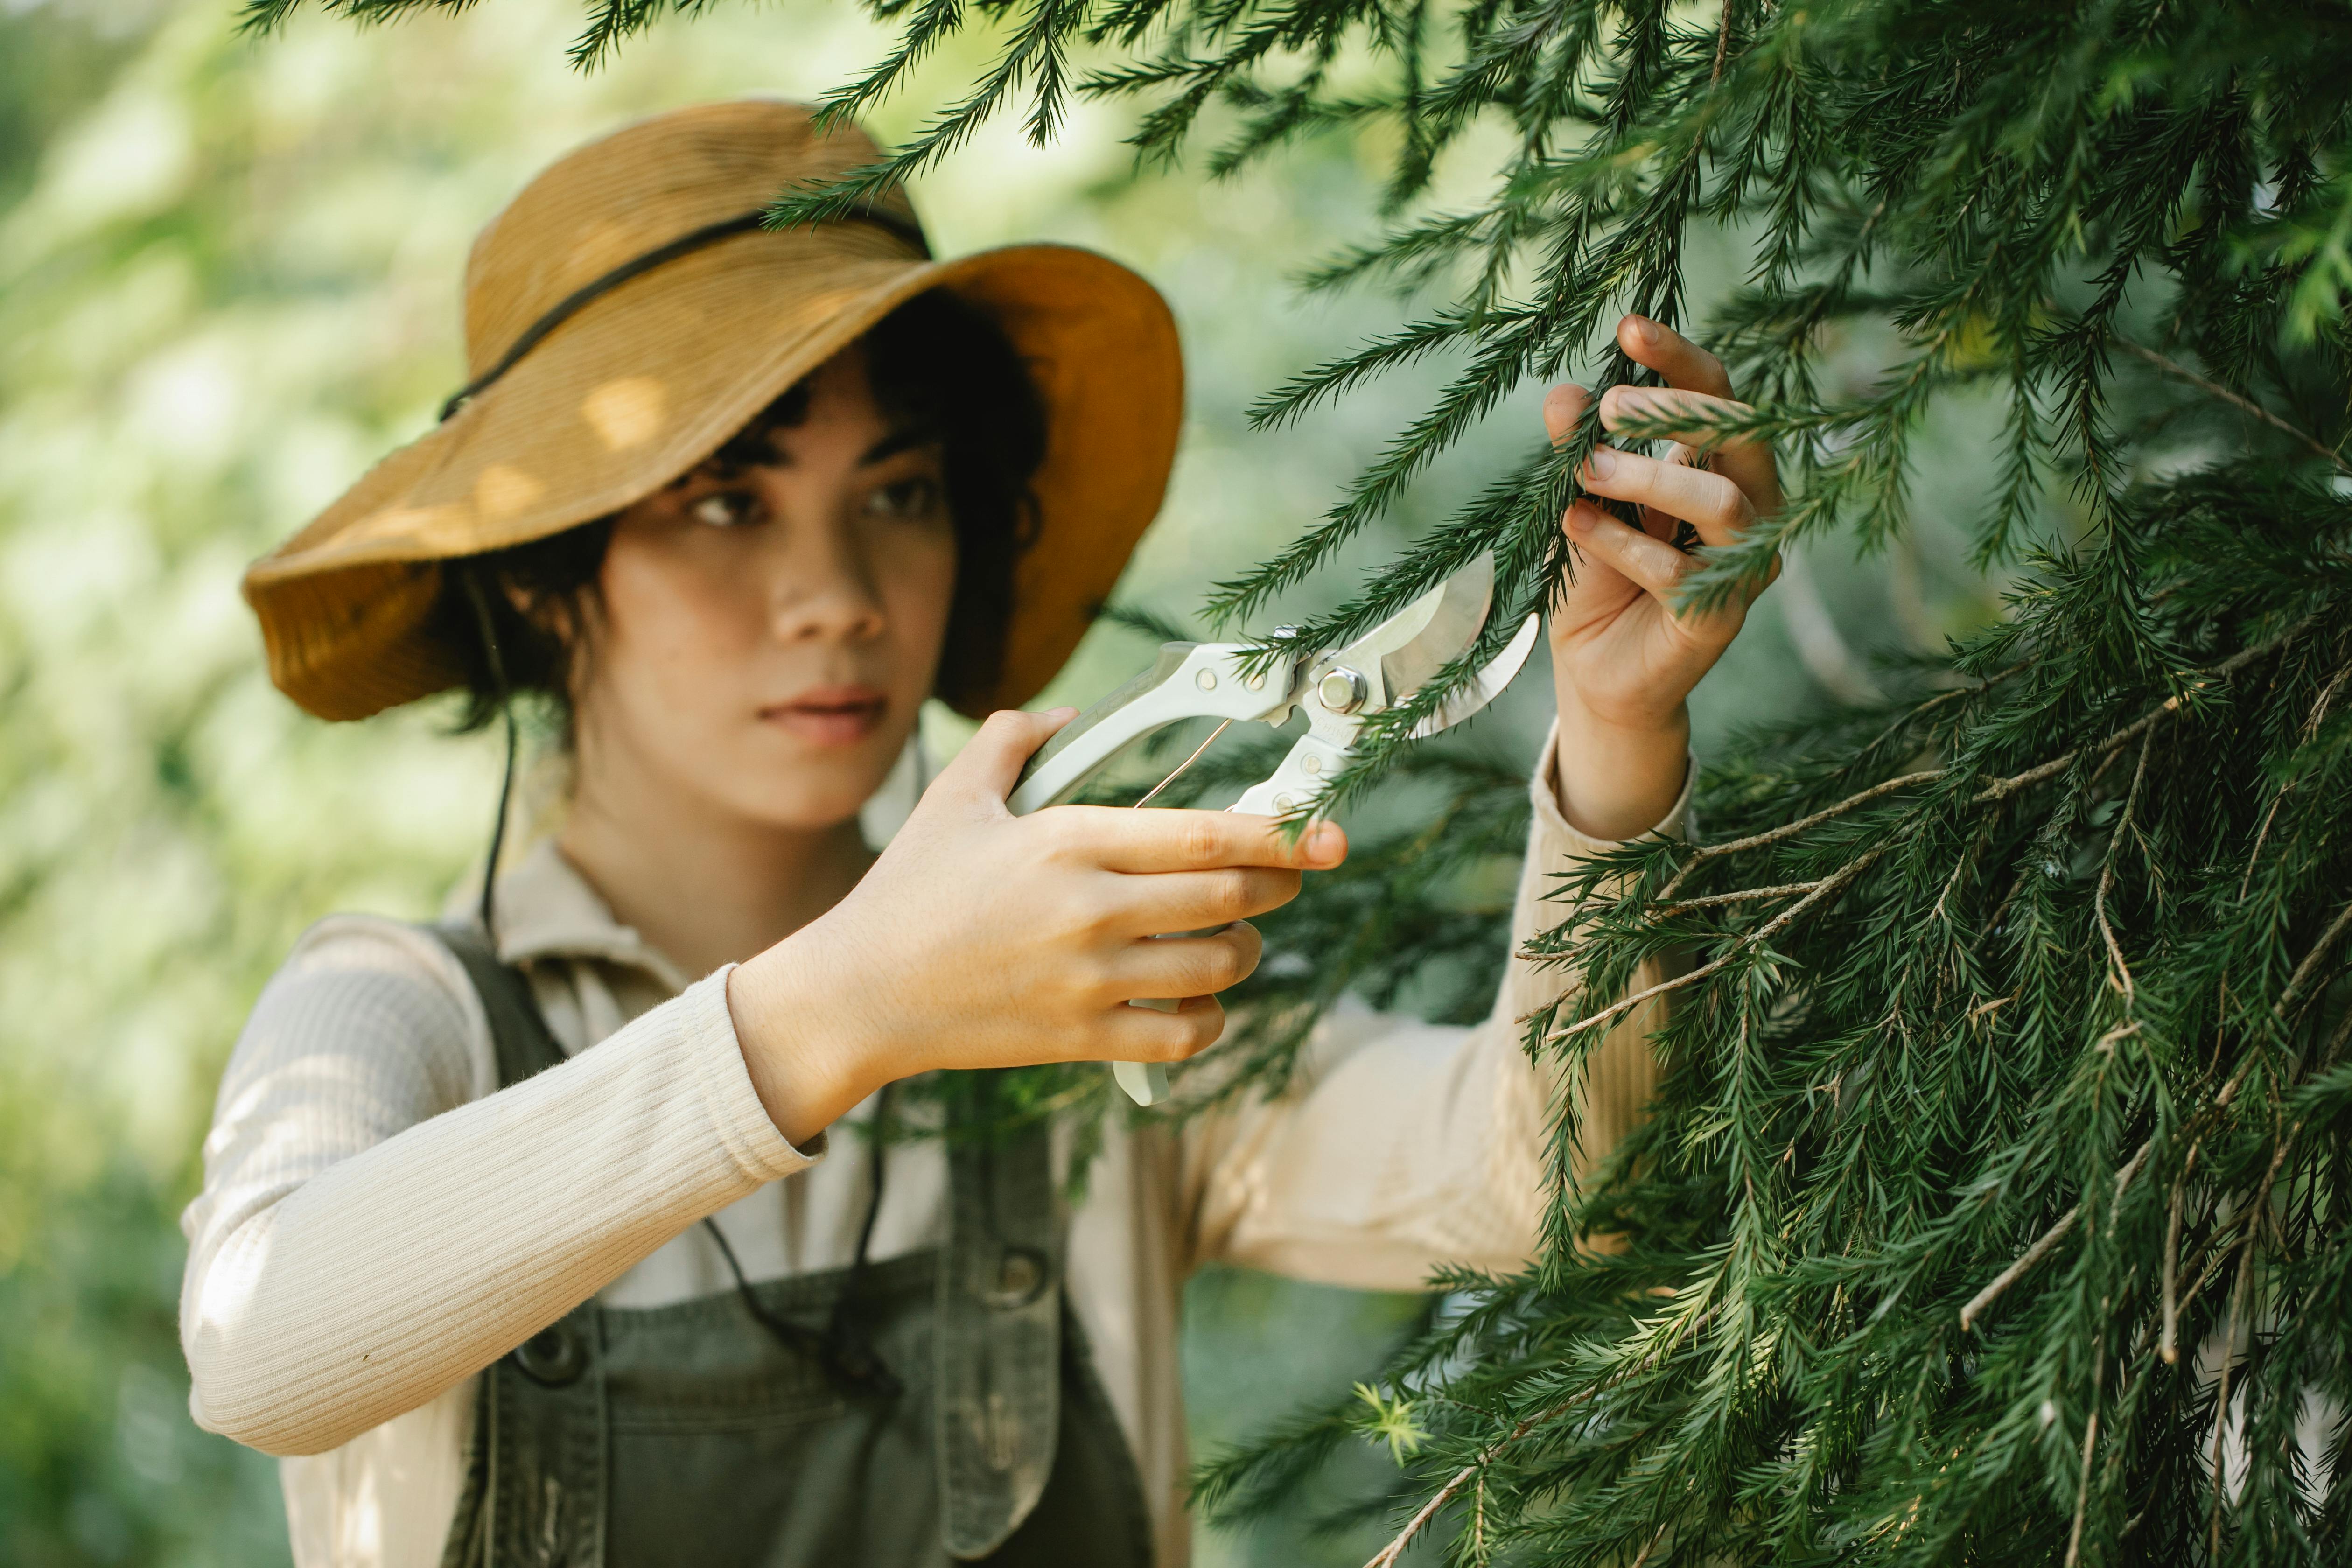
<point>1992,1204</point>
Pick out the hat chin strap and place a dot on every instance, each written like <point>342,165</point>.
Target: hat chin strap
<point>687,244</point>
<point>475,593</point>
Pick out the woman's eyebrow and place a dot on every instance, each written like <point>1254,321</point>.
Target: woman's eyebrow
<point>906,438</point>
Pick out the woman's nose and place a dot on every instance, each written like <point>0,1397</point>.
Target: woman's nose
<point>823,588</point>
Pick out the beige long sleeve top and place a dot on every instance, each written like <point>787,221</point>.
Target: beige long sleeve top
<point>378,1223</point>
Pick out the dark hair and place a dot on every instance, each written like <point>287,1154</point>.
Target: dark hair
<point>936,364</point>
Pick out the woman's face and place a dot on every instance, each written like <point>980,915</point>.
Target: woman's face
<point>768,631</point>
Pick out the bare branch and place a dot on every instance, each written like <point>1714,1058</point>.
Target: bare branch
<point>1745,896</point>
<point>2050,1239</point>
<point>2010,1274</point>
<point>2242,404</point>
<point>1825,889</point>
<point>1790,829</point>
<point>2089,1441</point>
<point>2107,869</point>
<point>2311,960</point>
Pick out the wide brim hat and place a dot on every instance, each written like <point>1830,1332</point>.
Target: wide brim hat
<point>627,312</point>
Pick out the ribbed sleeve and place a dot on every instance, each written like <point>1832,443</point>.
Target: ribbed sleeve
<point>375,1226</point>
<point>1401,1146</point>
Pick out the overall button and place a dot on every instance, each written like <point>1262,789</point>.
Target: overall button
<point>1019,1275</point>
<point>552,1357</point>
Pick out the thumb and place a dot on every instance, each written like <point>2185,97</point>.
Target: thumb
<point>990,762</point>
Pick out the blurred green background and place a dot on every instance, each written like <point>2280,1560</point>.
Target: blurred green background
<point>228,281</point>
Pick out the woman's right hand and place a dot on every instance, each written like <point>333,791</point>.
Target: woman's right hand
<point>983,940</point>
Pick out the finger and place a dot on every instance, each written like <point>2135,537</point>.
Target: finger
<point>1708,502</point>
<point>1148,1035</point>
<point>990,762</point>
<point>1682,361</point>
<point>1187,965</point>
<point>1120,839</point>
<point>1649,563</point>
<point>1190,901</point>
<point>1563,405</point>
<point>1748,464</point>
<point>1593,589</point>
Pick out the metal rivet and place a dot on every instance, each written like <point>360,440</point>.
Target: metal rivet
<point>1310,764</point>
<point>1020,1273</point>
<point>1206,681</point>
<point>1283,802</point>
<point>553,1357</point>
<point>1341,689</point>
<point>1257,682</point>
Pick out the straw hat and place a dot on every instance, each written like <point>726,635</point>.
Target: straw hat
<point>625,314</point>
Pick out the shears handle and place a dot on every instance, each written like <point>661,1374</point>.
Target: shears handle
<point>1312,764</point>
<point>1188,680</point>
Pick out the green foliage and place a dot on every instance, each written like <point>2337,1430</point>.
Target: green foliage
<point>1991,1202</point>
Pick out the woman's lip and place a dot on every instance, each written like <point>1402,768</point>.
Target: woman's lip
<point>830,715</point>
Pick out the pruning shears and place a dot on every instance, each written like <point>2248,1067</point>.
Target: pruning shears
<point>1339,690</point>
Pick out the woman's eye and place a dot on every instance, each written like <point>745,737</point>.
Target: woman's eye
<point>906,499</point>
<point>726,508</point>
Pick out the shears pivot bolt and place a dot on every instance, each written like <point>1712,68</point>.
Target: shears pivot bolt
<point>1341,689</point>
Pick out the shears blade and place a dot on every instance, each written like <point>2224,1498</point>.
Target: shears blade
<point>1486,686</point>
<point>1429,634</point>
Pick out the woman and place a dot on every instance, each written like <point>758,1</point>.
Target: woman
<point>736,501</point>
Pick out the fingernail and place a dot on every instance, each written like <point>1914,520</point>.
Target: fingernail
<point>1601,464</point>
<point>1581,517</point>
<point>1644,330</point>
<point>1061,712</point>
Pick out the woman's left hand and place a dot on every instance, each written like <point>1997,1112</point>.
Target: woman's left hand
<point>1625,651</point>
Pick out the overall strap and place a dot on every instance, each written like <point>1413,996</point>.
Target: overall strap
<point>518,1030</point>
<point>997,1344</point>
<point>501,1496</point>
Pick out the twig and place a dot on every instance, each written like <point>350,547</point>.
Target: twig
<point>1387,1555</point>
<point>1790,829</point>
<point>2050,1239</point>
<point>2010,1275</point>
<point>2244,405</point>
<point>1823,889</point>
<point>1746,895</point>
<point>1984,1009</point>
<point>2205,1272</point>
<point>2310,728</point>
<point>2319,951</point>
<point>2168,1346</point>
<point>1722,48</point>
<point>1999,789</point>
<point>2090,1440</point>
<point>2107,871</point>
<point>2222,1398</point>
<point>2002,788</point>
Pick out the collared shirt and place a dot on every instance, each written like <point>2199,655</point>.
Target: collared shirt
<point>379,1222</point>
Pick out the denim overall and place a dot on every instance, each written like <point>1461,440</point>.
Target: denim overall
<point>933,1408</point>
